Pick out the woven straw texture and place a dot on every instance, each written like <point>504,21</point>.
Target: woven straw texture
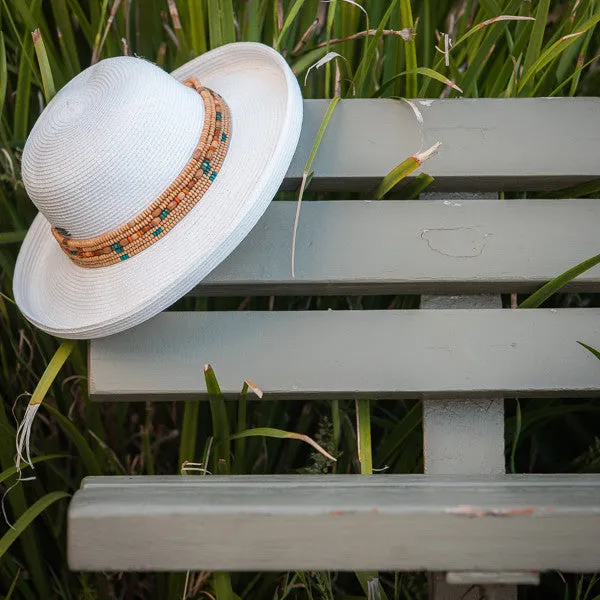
<point>109,143</point>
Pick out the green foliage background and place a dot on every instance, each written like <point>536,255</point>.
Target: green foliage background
<point>73,438</point>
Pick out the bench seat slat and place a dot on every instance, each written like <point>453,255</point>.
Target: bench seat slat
<point>448,246</point>
<point>387,522</point>
<point>348,354</point>
<point>488,144</point>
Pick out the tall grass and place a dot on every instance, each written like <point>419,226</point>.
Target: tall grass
<point>388,49</point>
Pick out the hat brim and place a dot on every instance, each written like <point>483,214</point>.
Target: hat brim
<point>70,301</point>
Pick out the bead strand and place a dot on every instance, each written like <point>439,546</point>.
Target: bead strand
<point>173,204</point>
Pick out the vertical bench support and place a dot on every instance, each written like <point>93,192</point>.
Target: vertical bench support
<point>464,437</point>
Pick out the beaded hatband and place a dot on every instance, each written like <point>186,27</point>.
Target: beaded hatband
<point>172,205</point>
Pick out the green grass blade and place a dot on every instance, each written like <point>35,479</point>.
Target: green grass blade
<point>46,72</point>
<point>11,471</point>
<point>308,59</point>
<point>336,423</point>
<point>552,53</point>
<point>22,99</point>
<point>220,421</point>
<point>221,27</point>
<point>214,24</point>
<point>187,444</point>
<point>405,168</point>
<point>366,64</point>
<point>147,456</point>
<point>589,188</point>
<point>240,444</point>
<point>86,453</point>
<point>321,133</point>
<point>84,23</point>
<point>369,579</point>
<point>399,434</point>
<point>417,186</point>
<point>516,436</point>
<point>363,431</point>
<point>575,77</point>
<point>253,21</point>
<point>29,541</point>
<point>288,22</point>
<point>536,40</point>
<point>307,167</point>
<point>197,28</point>
<point>479,62</point>
<point>13,586</point>
<point>27,517</point>
<point>331,11</point>
<point>51,372</point>
<point>223,590</point>
<point>227,21</point>
<point>68,46</point>
<point>99,29</point>
<point>595,352</point>
<point>553,286</point>
<point>479,26</point>
<point>410,48</point>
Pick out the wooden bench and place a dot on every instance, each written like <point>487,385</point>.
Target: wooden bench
<point>462,353</point>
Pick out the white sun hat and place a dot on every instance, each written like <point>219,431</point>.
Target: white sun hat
<point>121,138</point>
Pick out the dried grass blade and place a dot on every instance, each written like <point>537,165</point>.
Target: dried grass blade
<point>281,435</point>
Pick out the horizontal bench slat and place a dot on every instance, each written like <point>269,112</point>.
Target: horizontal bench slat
<point>387,522</point>
<point>347,354</point>
<point>448,246</point>
<point>488,144</point>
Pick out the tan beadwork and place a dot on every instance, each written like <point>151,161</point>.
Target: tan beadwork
<point>173,204</point>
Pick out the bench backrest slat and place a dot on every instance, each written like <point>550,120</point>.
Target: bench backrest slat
<point>488,144</point>
<point>389,247</point>
<point>349,354</point>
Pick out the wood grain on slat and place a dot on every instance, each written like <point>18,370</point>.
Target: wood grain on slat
<point>348,354</point>
<point>451,246</point>
<point>387,522</point>
<point>487,144</point>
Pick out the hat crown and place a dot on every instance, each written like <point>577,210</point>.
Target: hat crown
<point>108,144</point>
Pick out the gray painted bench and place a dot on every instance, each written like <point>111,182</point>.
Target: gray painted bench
<point>461,353</point>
